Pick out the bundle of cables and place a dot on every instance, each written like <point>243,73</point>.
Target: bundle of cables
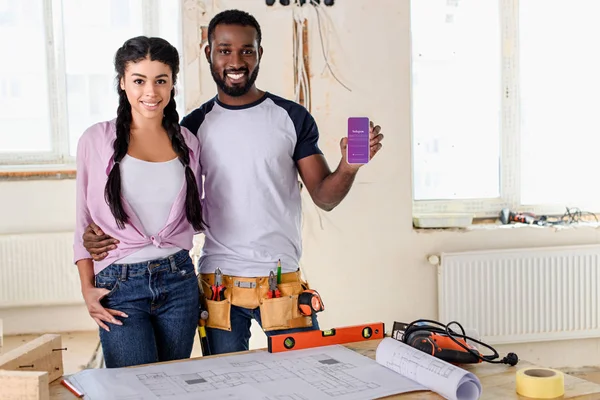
<point>441,341</point>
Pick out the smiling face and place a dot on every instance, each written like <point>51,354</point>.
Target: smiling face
<point>234,58</point>
<point>148,86</point>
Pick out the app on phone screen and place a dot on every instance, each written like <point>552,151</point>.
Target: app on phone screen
<point>358,140</point>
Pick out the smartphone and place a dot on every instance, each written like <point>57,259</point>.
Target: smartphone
<point>358,149</point>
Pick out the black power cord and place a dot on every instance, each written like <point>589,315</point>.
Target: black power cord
<point>510,359</point>
<point>571,216</point>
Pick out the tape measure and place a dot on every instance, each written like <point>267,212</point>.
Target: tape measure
<point>310,302</point>
<point>316,338</point>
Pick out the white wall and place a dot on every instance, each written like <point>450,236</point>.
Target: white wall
<point>366,260</point>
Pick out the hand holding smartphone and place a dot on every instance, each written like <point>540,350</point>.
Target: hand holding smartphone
<point>358,149</point>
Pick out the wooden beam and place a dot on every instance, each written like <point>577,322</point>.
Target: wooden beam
<point>43,354</point>
<point>17,385</point>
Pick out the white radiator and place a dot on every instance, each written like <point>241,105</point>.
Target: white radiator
<point>523,295</point>
<point>37,270</point>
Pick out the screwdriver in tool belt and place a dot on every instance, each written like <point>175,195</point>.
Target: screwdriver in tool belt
<point>202,324</point>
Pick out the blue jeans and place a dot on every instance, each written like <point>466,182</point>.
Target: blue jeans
<point>161,298</point>
<point>238,338</point>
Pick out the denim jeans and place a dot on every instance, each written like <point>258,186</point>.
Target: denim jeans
<point>161,299</point>
<point>238,338</point>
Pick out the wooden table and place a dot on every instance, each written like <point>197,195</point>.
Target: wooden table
<point>498,381</point>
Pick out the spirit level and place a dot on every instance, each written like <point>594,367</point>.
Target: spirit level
<point>308,339</point>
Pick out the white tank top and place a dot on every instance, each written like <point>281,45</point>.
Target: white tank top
<point>151,188</point>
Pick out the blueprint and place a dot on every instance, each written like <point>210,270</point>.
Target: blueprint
<point>448,380</point>
<point>331,372</point>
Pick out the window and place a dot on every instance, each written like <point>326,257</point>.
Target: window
<point>505,105</point>
<point>59,78</point>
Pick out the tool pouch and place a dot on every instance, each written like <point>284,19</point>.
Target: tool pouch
<point>283,312</point>
<point>219,312</point>
<point>244,291</point>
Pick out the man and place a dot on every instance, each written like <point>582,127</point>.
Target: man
<point>253,146</point>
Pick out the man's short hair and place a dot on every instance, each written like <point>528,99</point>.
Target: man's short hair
<point>233,17</point>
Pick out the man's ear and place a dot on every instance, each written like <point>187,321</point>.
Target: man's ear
<point>260,53</point>
<point>207,52</point>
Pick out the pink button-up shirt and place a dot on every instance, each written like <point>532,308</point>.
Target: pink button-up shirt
<point>94,162</point>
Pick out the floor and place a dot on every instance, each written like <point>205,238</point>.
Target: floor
<point>82,346</point>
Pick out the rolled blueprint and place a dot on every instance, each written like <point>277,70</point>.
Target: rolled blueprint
<point>447,380</point>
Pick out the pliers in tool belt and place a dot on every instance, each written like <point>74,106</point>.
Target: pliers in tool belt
<point>273,289</point>
<point>218,290</point>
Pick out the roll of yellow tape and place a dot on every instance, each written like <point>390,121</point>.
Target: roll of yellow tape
<point>540,383</point>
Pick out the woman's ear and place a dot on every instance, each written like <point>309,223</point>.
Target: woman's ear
<point>122,84</point>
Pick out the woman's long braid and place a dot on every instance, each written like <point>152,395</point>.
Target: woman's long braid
<point>112,191</point>
<point>154,49</point>
<point>193,208</point>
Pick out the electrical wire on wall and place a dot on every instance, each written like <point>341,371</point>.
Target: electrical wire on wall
<point>572,215</point>
<point>324,25</point>
<point>302,87</point>
<point>321,19</point>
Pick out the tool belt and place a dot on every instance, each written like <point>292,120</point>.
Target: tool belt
<point>276,313</point>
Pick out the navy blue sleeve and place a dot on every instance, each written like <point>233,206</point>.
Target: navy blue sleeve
<point>307,143</point>
<point>307,132</point>
<point>193,120</point>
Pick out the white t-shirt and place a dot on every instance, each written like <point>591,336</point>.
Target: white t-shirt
<point>252,197</point>
<point>150,188</point>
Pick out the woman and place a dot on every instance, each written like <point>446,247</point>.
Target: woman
<point>138,177</point>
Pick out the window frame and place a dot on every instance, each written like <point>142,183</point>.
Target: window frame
<point>59,157</point>
<point>510,149</point>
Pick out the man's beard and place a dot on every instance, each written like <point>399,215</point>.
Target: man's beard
<point>234,91</point>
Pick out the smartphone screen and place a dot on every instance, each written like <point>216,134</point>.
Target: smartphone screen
<point>358,140</point>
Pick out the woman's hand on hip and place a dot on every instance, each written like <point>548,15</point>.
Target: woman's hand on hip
<point>92,297</point>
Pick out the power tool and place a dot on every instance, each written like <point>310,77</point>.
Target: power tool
<point>440,341</point>
<point>441,346</point>
<point>507,216</point>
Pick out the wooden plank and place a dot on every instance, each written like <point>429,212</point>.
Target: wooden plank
<point>39,175</point>
<point>42,354</point>
<point>17,385</point>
